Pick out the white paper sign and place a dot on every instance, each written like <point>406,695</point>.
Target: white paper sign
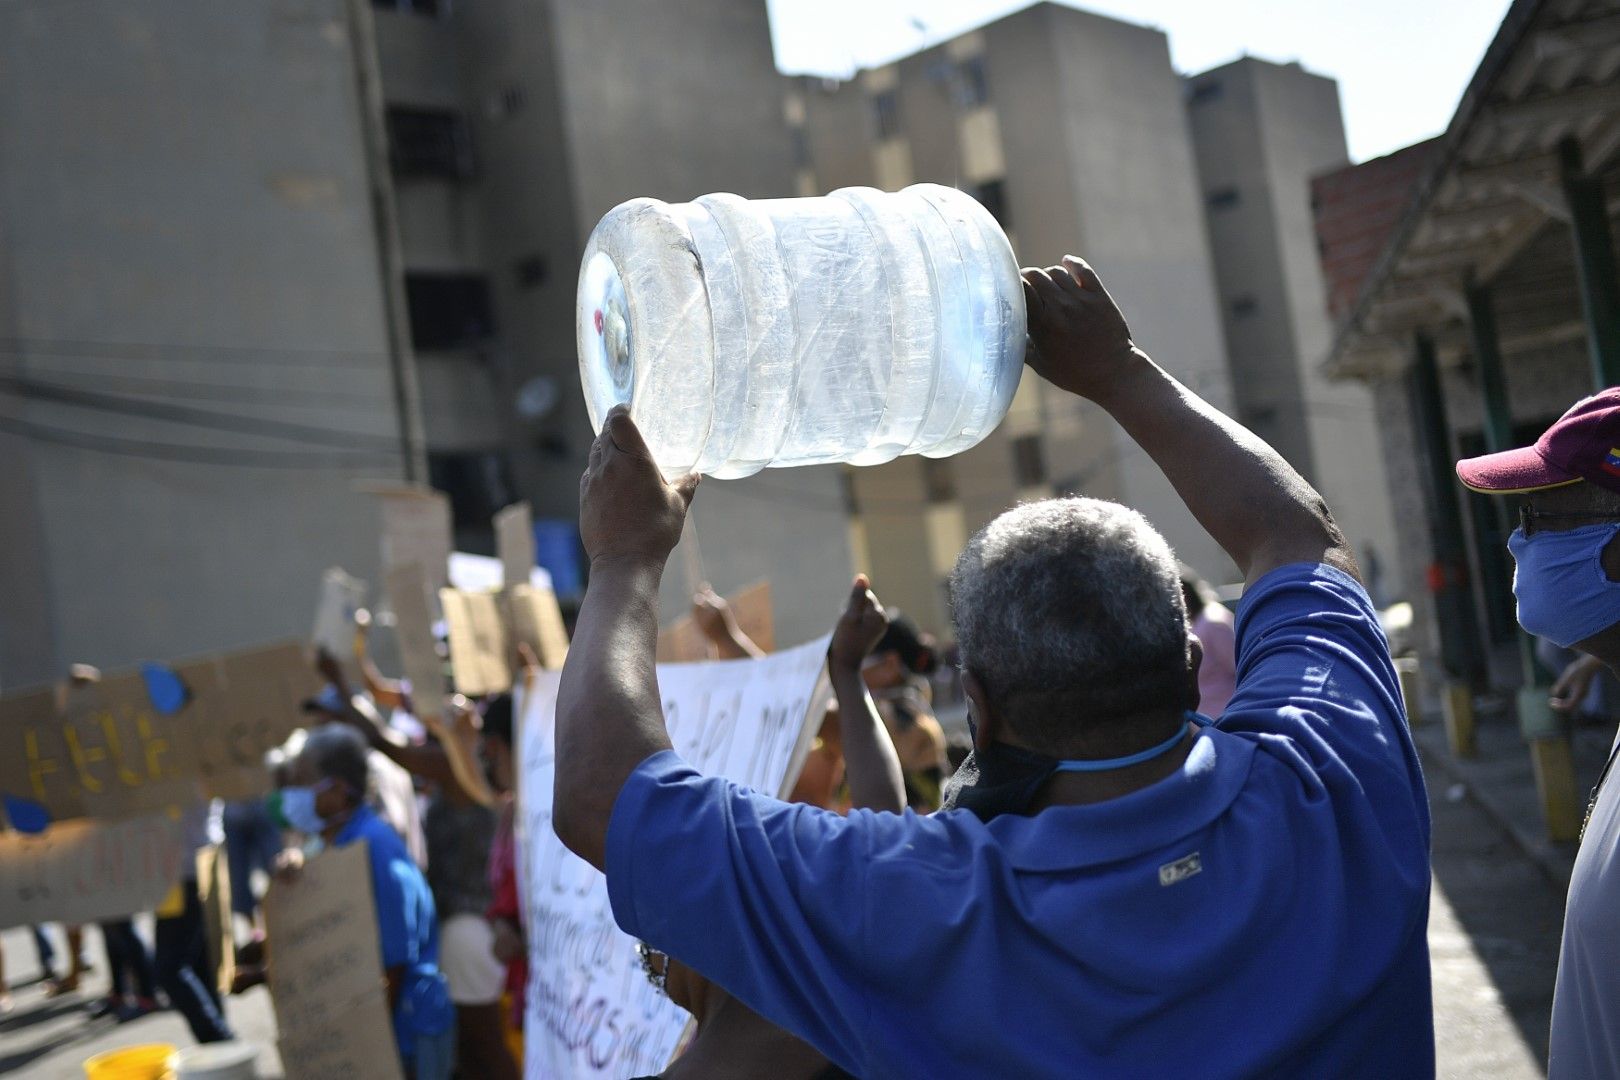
<point>341,597</point>
<point>591,1011</point>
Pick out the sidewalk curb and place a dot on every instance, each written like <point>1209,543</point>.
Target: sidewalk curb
<point>1555,864</point>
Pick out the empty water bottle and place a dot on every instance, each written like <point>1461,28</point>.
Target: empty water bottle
<point>853,327</point>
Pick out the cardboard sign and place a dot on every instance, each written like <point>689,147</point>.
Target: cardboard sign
<point>409,596</point>
<point>326,978</point>
<point>341,596</point>
<point>480,653</point>
<point>533,617</point>
<point>108,750</point>
<point>214,894</point>
<point>88,871</point>
<point>514,543</point>
<point>591,1011</point>
<point>682,642</point>
<point>416,529</point>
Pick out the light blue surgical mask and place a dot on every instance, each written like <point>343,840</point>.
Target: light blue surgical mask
<point>1558,580</point>
<point>296,806</point>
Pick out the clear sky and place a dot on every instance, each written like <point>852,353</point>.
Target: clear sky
<point>1401,64</point>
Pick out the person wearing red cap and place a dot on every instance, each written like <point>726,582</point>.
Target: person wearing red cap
<point>1566,553</point>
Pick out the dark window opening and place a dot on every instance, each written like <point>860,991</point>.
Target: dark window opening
<point>1204,91</point>
<point>531,271</point>
<point>972,86</point>
<point>992,195</point>
<point>429,142</point>
<point>434,8</point>
<point>1223,198</point>
<point>449,311</point>
<point>1029,461</point>
<point>886,114</point>
<point>939,482</point>
<point>479,484</point>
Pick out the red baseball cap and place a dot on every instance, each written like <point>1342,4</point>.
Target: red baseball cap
<point>1583,444</point>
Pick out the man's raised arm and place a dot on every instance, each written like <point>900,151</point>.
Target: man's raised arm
<point>609,718</point>
<point>1255,505</point>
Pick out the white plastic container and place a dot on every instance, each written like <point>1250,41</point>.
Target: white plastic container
<point>215,1061</point>
<point>852,327</point>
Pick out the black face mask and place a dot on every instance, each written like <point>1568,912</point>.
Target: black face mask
<point>1006,779</point>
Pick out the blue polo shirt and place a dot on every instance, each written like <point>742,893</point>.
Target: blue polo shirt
<point>407,930</point>
<point>1261,912</point>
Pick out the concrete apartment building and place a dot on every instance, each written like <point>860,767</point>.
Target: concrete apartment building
<point>1261,132</point>
<point>1192,197</point>
<point>513,127</point>
<point>1103,166</point>
<point>252,253</point>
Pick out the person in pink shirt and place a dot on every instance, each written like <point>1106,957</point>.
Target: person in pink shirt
<point>1217,630</point>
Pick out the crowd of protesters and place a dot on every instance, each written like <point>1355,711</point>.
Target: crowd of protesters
<point>1179,842</point>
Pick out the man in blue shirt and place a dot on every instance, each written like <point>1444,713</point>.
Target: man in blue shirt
<point>330,780</point>
<point>1117,887</point>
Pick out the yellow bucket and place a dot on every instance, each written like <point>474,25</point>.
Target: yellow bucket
<point>148,1062</point>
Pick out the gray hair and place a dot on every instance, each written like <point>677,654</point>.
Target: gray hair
<point>338,752</point>
<point>1070,607</point>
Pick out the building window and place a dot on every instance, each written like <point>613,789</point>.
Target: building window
<point>1029,461</point>
<point>939,482</point>
<point>479,484</point>
<point>972,87</point>
<point>1244,306</point>
<point>992,195</point>
<point>429,142</point>
<point>531,271</point>
<point>1206,91</point>
<point>886,114</point>
<point>1222,198</point>
<point>433,8</point>
<point>449,311</point>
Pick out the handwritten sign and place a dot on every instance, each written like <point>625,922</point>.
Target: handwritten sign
<point>341,596</point>
<point>514,542</point>
<point>108,749</point>
<point>591,1011</point>
<point>88,871</point>
<point>480,656</point>
<point>533,617</point>
<point>326,978</point>
<point>409,596</point>
<point>415,529</point>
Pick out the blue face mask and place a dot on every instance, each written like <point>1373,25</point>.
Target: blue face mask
<point>296,806</point>
<point>1558,580</point>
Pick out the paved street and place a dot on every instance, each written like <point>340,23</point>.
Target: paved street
<point>1493,934</point>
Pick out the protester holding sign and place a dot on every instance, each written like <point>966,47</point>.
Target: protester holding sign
<point>1134,887</point>
<point>327,800</point>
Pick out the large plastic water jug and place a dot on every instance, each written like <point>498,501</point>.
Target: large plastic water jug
<point>852,327</point>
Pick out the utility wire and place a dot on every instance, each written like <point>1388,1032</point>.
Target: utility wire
<point>36,390</point>
<point>200,455</point>
<point>192,353</point>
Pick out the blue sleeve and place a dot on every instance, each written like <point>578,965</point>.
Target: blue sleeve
<point>766,898</point>
<point>396,916</point>
<point>1313,665</point>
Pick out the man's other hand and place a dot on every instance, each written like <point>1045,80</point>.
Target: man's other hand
<point>859,628</point>
<point>1078,339</point>
<point>626,508</point>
